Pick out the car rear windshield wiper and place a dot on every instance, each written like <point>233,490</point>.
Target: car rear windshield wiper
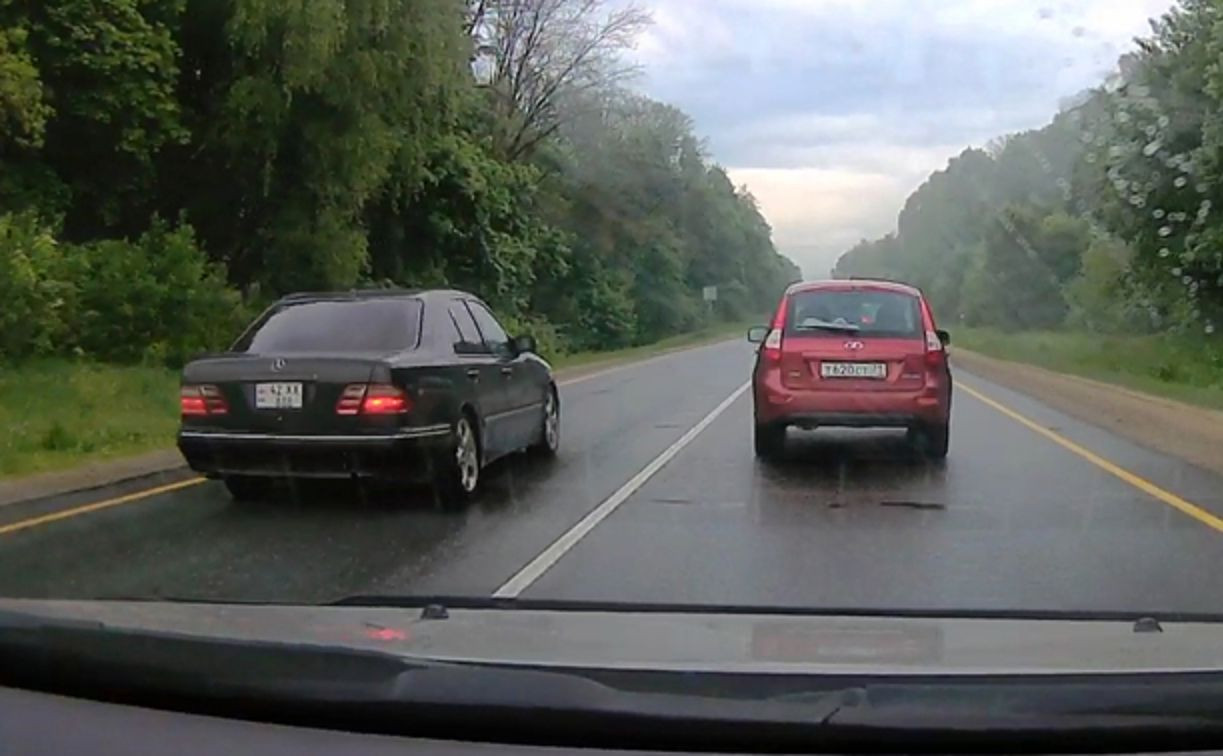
<point>825,326</point>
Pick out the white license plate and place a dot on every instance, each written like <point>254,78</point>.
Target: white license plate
<point>278,396</point>
<point>875,370</point>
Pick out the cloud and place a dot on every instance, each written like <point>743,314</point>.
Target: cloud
<point>833,111</point>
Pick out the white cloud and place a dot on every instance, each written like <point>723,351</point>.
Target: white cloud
<point>833,111</point>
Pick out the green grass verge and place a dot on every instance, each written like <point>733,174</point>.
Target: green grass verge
<point>1182,367</point>
<point>59,413</point>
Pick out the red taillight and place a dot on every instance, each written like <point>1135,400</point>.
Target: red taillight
<point>383,399</point>
<point>771,350</point>
<point>202,400</point>
<point>372,399</point>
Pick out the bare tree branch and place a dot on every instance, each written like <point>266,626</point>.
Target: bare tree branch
<point>544,47</point>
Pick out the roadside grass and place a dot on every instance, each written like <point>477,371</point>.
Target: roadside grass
<point>1181,367</point>
<point>57,414</point>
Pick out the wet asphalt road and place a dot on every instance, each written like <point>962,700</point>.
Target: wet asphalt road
<point>851,519</point>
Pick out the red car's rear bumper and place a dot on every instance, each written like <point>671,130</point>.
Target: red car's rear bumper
<point>863,409</point>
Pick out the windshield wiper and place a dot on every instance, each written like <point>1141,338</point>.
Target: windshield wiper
<point>839,327</point>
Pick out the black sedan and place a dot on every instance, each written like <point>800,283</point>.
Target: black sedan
<point>388,385</point>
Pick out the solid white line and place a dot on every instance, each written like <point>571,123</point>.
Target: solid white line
<point>549,556</point>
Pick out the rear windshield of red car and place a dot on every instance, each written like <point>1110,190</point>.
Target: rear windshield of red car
<point>866,312</point>
<point>340,326</point>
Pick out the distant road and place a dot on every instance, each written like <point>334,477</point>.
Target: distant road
<point>656,497</point>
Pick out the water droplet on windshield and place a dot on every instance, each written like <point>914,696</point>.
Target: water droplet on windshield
<point>1152,148</point>
<point>1181,182</point>
<point>1165,230</point>
<point>1157,213</point>
<point>1164,251</point>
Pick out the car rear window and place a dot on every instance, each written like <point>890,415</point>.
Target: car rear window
<point>380,325</point>
<point>863,311</point>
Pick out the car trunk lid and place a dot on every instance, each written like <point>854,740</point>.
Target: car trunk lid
<point>284,393</point>
<point>853,337</point>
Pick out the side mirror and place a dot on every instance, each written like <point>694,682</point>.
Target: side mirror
<point>757,334</point>
<point>524,344</point>
<point>943,336</point>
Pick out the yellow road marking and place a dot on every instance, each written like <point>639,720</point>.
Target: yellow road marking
<point>34,522</point>
<point>1142,484</point>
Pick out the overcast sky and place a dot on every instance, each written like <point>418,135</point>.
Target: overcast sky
<point>833,111</point>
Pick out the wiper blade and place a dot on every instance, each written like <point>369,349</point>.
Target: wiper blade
<point>840,327</point>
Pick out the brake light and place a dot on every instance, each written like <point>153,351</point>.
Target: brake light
<point>202,400</point>
<point>385,399</point>
<point>771,349</point>
<point>372,399</point>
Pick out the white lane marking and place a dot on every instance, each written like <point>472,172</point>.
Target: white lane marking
<point>549,556</point>
<point>639,363</point>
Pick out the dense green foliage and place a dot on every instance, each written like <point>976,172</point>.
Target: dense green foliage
<point>317,144</point>
<point>1106,219</point>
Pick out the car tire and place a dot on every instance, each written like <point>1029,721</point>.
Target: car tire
<point>549,442</point>
<point>247,488</point>
<point>459,469</point>
<point>933,440</point>
<point>770,440</point>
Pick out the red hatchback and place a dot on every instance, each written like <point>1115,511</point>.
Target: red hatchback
<point>852,353</point>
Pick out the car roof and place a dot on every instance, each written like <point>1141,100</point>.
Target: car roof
<point>850,284</point>
<point>318,296</point>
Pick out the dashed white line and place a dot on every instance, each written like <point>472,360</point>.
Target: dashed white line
<point>558,548</point>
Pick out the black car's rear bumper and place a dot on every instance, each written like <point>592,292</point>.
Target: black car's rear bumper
<point>406,454</point>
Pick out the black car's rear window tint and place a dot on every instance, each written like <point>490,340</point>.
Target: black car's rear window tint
<point>376,325</point>
<point>864,311</point>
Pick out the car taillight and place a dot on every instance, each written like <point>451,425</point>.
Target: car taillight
<point>349,402</point>
<point>935,354</point>
<point>771,349</point>
<point>385,399</point>
<point>372,399</point>
<point>202,400</point>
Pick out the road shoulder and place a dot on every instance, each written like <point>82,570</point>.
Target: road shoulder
<point>1194,434</point>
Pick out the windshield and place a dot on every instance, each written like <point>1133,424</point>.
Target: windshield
<point>375,326</point>
<point>908,309</point>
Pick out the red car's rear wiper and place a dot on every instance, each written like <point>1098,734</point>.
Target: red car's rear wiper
<point>838,327</point>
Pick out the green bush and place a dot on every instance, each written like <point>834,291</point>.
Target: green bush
<point>35,288</point>
<point>156,299</point>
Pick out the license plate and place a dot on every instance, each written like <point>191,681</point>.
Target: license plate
<point>278,396</point>
<point>874,370</point>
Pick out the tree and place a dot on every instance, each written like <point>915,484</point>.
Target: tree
<point>107,70</point>
<point>23,108</point>
<point>541,49</point>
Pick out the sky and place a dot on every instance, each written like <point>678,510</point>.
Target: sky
<point>833,111</point>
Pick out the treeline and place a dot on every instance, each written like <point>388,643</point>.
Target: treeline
<point>1107,219</point>
<point>169,166</point>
